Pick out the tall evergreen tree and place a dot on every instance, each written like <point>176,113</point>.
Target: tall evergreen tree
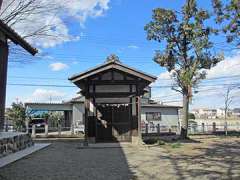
<point>187,48</point>
<point>228,16</point>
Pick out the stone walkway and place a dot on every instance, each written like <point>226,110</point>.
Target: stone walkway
<point>204,158</point>
<point>10,158</point>
<point>69,161</point>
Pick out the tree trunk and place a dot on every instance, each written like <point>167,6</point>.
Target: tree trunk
<point>225,123</point>
<point>184,126</point>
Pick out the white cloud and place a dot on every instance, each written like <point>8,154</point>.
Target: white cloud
<point>75,62</point>
<point>59,11</point>
<point>229,67</point>
<point>210,92</point>
<point>133,47</point>
<point>58,66</point>
<point>44,95</point>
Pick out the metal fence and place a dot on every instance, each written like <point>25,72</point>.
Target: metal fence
<point>146,130</point>
<point>213,128</point>
<point>158,129</point>
<point>53,131</point>
<point>46,131</point>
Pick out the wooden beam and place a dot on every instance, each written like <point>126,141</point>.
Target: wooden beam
<point>112,82</point>
<point>1,4</point>
<point>112,94</point>
<point>16,38</point>
<point>3,80</point>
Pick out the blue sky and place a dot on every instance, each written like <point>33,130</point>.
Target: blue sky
<point>119,29</point>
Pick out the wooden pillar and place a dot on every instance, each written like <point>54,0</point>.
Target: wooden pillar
<point>3,78</point>
<point>1,4</point>
<point>95,112</point>
<point>139,117</point>
<point>158,129</point>
<point>66,119</point>
<point>86,105</point>
<point>134,117</point>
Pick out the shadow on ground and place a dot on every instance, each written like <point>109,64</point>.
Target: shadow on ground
<point>66,161</point>
<point>221,160</point>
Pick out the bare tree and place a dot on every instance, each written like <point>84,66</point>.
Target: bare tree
<point>35,21</point>
<point>228,99</point>
<point>14,12</point>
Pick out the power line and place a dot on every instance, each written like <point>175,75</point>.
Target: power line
<point>56,78</point>
<point>35,77</point>
<point>56,85</point>
<point>202,85</point>
<point>41,85</point>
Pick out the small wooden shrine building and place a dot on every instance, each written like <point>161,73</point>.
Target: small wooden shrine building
<point>112,101</point>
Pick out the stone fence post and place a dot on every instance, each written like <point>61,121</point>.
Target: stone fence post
<point>33,131</point>
<point>46,130</point>
<point>27,126</point>
<point>59,129</point>
<point>214,127</point>
<point>203,128</point>
<point>72,129</point>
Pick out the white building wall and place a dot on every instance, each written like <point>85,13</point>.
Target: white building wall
<point>220,113</point>
<point>78,115</point>
<point>169,116</point>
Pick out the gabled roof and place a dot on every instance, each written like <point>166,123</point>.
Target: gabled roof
<point>16,38</point>
<point>78,99</point>
<point>112,64</point>
<point>160,106</point>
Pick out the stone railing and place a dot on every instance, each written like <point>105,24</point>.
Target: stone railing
<point>11,142</point>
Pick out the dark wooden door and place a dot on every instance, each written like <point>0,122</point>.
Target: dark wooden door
<point>113,123</point>
<point>104,124</point>
<point>121,123</point>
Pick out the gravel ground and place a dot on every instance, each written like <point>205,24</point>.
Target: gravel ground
<point>67,161</point>
<point>203,158</point>
<point>206,157</point>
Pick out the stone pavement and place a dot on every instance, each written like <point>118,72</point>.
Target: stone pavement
<point>69,161</point>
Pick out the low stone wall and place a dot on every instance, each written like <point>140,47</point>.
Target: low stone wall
<point>13,142</point>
